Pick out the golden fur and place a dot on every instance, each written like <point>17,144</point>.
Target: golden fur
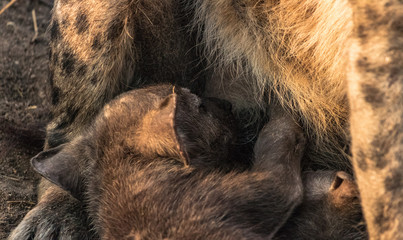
<point>295,50</point>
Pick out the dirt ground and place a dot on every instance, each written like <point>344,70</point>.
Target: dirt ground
<point>24,105</point>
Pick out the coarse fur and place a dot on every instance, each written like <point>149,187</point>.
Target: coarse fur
<point>102,48</point>
<point>136,192</point>
<point>279,48</point>
<point>130,168</point>
<point>252,53</point>
<point>375,84</point>
<point>330,209</point>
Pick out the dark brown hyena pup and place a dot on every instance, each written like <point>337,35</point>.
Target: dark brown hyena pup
<point>330,209</point>
<point>148,169</point>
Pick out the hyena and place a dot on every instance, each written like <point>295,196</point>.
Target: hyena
<point>146,170</point>
<point>330,209</point>
<point>251,53</point>
<point>375,92</point>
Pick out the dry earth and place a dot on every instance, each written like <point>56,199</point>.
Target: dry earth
<point>24,105</point>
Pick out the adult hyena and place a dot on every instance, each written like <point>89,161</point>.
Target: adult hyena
<point>376,99</point>
<point>249,52</point>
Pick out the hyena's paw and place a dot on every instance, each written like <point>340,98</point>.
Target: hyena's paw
<point>57,216</point>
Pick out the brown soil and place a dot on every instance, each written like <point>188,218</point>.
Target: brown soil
<point>24,106</point>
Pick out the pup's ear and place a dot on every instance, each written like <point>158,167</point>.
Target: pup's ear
<point>177,111</point>
<point>156,135</point>
<point>60,166</point>
<point>186,127</point>
<point>343,191</point>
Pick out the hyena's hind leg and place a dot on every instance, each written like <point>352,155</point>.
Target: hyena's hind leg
<point>376,98</point>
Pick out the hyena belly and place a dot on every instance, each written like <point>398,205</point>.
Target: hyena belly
<point>293,52</point>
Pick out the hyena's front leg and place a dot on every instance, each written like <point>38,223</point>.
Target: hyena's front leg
<point>376,97</point>
<point>91,60</point>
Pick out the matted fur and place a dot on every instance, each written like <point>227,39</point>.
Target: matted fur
<point>294,49</point>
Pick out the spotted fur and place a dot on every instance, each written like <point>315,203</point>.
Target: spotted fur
<point>375,92</point>
<point>250,52</point>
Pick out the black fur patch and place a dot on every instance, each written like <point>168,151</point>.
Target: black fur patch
<point>382,221</point>
<point>96,43</point>
<point>65,22</point>
<point>115,29</point>
<point>372,13</point>
<point>363,62</point>
<point>360,159</point>
<point>56,138</point>
<point>94,80</point>
<point>379,159</point>
<point>394,181</point>
<point>362,33</point>
<point>82,70</point>
<point>68,62</point>
<point>394,75</point>
<point>55,95</point>
<point>72,114</point>
<point>81,22</point>
<point>54,31</point>
<point>397,25</point>
<point>51,77</point>
<point>373,95</point>
<point>68,119</point>
<point>382,144</point>
<point>55,58</point>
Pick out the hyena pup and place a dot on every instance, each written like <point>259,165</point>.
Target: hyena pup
<point>153,166</point>
<point>146,170</point>
<point>330,209</point>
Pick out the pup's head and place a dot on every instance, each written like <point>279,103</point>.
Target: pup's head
<point>156,122</point>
